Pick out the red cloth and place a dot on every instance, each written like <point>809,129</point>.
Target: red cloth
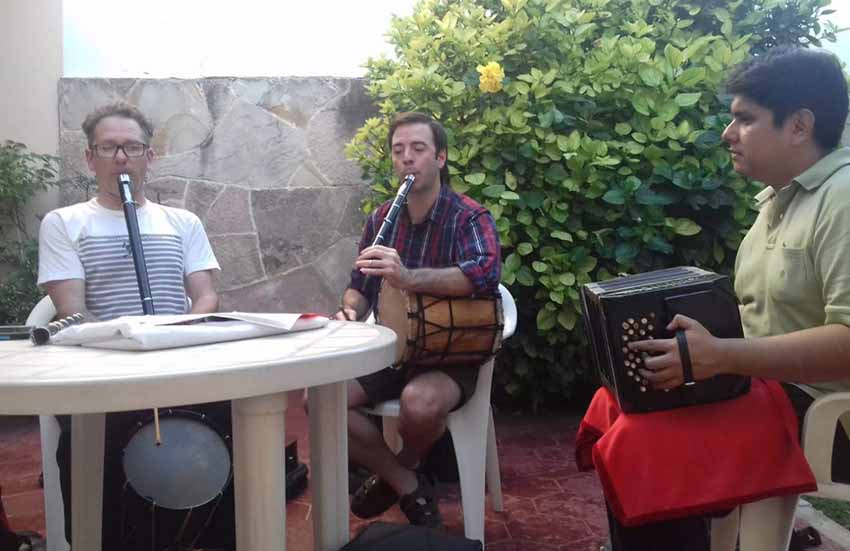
<point>695,460</point>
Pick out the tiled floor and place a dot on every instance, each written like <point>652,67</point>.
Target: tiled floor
<point>548,504</point>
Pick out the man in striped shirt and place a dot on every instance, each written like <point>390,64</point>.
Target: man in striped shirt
<point>443,243</point>
<point>86,266</point>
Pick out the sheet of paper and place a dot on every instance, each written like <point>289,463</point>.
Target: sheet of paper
<point>158,332</point>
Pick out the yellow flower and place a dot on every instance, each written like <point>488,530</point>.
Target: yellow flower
<point>491,77</point>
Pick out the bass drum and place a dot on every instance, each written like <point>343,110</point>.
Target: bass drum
<point>178,485</point>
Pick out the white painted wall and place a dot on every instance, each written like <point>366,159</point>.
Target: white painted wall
<point>30,69</point>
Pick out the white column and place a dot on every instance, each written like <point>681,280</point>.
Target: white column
<point>329,462</point>
<point>87,434</point>
<point>258,472</point>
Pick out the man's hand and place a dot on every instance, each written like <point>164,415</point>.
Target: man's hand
<point>663,364</point>
<point>346,314</point>
<point>384,262</point>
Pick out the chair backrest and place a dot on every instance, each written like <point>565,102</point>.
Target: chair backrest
<point>509,309</point>
<point>42,312</point>
<point>818,440</point>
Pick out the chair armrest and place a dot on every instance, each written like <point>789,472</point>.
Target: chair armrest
<point>818,439</point>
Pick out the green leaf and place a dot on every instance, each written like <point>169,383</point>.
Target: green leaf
<point>512,262</point>
<point>525,277</point>
<point>686,100</point>
<point>625,252</point>
<point>708,139</point>
<point>656,243</point>
<point>567,318</point>
<point>562,235</point>
<point>674,56</point>
<point>641,104</point>
<point>491,162</point>
<point>509,196</point>
<point>510,180</point>
<point>622,128</point>
<point>568,279</point>
<point>524,248</point>
<point>494,191</point>
<point>586,264</point>
<point>691,77</point>
<point>539,267</point>
<point>556,173</point>
<point>647,196</point>
<point>650,75</point>
<point>668,110</point>
<point>545,319</point>
<point>607,160</point>
<point>684,226</point>
<point>517,119</point>
<point>476,178</point>
<point>615,196</point>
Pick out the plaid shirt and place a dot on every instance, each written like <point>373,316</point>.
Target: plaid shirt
<point>458,232</point>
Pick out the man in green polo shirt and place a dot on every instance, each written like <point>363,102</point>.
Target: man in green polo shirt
<point>789,109</point>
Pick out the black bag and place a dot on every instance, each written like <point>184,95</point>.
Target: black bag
<point>383,536</point>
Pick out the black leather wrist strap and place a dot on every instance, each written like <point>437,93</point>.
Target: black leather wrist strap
<point>685,355</point>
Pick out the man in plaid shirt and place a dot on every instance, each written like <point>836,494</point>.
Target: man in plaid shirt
<point>443,243</point>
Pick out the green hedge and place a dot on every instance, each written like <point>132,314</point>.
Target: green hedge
<point>591,130</point>
<point>23,174</point>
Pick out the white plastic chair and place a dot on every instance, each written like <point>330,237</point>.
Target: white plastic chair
<point>54,509</point>
<point>474,437</point>
<point>766,525</point>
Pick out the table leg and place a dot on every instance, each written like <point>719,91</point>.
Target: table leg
<point>329,461</point>
<point>87,442</point>
<point>258,472</point>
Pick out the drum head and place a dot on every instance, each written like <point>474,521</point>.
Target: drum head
<point>189,469</point>
<point>392,312</point>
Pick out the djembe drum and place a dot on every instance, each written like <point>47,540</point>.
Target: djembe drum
<point>435,330</point>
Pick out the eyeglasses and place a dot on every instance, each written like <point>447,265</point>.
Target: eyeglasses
<point>110,151</point>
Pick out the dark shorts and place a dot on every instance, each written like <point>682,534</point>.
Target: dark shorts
<point>388,383</point>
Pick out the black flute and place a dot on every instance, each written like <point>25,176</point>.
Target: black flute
<point>395,208</point>
<point>124,188</point>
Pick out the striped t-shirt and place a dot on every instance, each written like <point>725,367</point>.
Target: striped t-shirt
<point>87,241</point>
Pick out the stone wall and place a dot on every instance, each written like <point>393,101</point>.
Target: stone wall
<point>261,162</point>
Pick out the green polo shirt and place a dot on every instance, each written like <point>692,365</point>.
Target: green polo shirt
<point>793,267</point>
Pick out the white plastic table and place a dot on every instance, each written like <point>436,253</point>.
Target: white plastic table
<point>254,374</point>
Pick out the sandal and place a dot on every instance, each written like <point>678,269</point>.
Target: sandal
<point>372,498</point>
<point>420,505</point>
<point>806,537</point>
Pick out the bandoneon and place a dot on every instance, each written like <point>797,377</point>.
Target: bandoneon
<point>639,307</point>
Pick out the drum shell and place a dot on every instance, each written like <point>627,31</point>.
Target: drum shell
<point>434,330</point>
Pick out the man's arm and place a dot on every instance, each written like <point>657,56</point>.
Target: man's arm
<point>199,287</point>
<point>380,261</point>
<point>811,355</point>
<point>450,282</point>
<point>69,297</point>
<point>477,272</point>
<point>354,306</point>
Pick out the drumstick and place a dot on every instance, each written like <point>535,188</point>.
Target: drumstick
<point>158,436</point>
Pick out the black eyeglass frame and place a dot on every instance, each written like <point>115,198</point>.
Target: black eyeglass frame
<point>97,149</point>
